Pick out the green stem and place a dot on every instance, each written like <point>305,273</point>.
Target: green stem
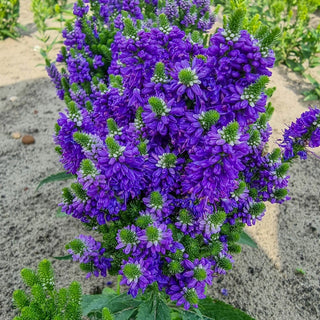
<point>118,284</point>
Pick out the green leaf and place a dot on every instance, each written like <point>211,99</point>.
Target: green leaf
<point>175,315</point>
<point>311,97</point>
<point>95,315</point>
<point>191,314</point>
<point>218,310</point>
<point>60,214</point>
<point>269,91</point>
<point>93,302</point>
<point>67,257</point>
<point>22,27</point>
<point>108,291</point>
<point>297,67</point>
<point>153,309</point>
<point>312,80</point>
<point>8,33</point>
<point>121,306</point>
<point>247,240</point>
<point>125,314</point>
<point>122,302</point>
<point>56,177</point>
<point>163,311</point>
<point>55,29</point>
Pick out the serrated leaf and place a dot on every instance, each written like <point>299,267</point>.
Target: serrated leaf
<point>153,309</point>
<point>61,176</point>
<point>145,309</point>
<point>247,240</point>
<point>163,311</point>
<point>218,310</point>
<point>192,315</point>
<point>67,257</point>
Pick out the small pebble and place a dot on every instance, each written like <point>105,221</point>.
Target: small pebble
<point>27,139</point>
<point>13,98</point>
<point>16,135</point>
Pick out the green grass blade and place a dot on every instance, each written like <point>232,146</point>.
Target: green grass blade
<point>61,176</point>
<point>247,240</point>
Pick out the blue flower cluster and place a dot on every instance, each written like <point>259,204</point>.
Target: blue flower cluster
<point>305,132</point>
<point>166,132</point>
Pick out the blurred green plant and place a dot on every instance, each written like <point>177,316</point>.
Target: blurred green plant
<point>314,93</point>
<point>298,43</point>
<point>9,14</point>
<point>300,271</point>
<point>44,301</point>
<point>43,10</point>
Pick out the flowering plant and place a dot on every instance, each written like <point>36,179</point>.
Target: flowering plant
<point>9,14</point>
<point>166,131</point>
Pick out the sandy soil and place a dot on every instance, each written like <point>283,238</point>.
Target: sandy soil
<point>263,281</point>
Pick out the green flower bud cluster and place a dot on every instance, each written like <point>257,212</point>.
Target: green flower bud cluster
<point>267,39</point>
<point>234,24</point>
<point>138,122</point>
<point>130,31</point>
<point>230,133</point>
<point>115,150</point>
<point>74,113</point>
<point>208,119</point>
<point>113,128</point>
<point>253,93</point>
<point>188,77</point>
<point>164,24</point>
<point>158,106</point>
<point>159,75</point>
<point>116,82</point>
<point>84,139</point>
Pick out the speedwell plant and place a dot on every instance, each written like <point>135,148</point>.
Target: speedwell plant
<point>166,132</point>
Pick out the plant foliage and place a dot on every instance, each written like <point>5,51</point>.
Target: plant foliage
<point>43,300</point>
<point>9,14</point>
<point>298,43</point>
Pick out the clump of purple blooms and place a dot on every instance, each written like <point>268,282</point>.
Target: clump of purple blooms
<point>305,132</point>
<point>166,130</point>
